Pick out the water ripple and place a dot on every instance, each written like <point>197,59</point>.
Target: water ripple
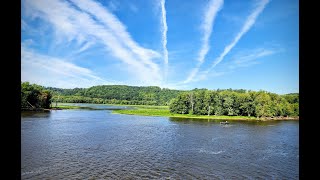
<point>98,145</point>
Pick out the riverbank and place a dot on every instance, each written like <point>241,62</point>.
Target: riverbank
<point>34,109</point>
<point>164,112</point>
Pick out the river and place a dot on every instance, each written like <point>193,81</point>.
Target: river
<point>96,144</point>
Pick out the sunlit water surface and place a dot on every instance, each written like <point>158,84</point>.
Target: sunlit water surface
<point>96,144</point>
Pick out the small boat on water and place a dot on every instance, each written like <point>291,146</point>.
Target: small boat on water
<point>226,122</point>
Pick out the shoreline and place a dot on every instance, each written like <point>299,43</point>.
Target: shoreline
<point>163,111</point>
<point>166,113</point>
<point>204,117</point>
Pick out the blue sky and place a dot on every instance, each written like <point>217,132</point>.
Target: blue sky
<point>252,44</point>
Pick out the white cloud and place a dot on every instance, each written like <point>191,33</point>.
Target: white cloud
<point>85,46</point>
<point>71,24</point>
<point>213,8</point>
<point>27,42</point>
<point>245,28</point>
<point>164,30</point>
<point>192,74</point>
<point>24,25</point>
<point>56,72</point>
<point>248,58</point>
<point>203,75</point>
<point>210,13</point>
<point>118,30</point>
<point>254,55</point>
<point>243,58</point>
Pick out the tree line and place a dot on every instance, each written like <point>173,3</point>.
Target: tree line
<point>115,94</point>
<point>198,101</point>
<point>235,103</point>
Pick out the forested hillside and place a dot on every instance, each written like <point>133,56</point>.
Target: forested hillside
<point>115,94</point>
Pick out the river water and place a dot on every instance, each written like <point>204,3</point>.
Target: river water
<point>96,144</point>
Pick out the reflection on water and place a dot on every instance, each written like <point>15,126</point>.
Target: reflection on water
<point>34,114</point>
<point>217,121</point>
<point>96,106</point>
<point>84,144</point>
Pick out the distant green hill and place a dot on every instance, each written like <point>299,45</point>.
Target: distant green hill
<point>115,94</point>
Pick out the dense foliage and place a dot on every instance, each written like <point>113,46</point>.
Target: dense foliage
<point>235,103</point>
<point>34,96</point>
<point>115,94</point>
<point>198,101</point>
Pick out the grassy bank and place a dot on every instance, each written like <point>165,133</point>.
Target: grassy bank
<point>66,107</point>
<point>164,111</point>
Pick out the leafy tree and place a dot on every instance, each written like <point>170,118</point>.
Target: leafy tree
<point>180,104</point>
<point>246,104</point>
<point>228,105</point>
<point>199,105</point>
<point>263,106</point>
<point>34,96</point>
<point>218,105</point>
<point>209,101</point>
<point>191,99</point>
<point>295,107</point>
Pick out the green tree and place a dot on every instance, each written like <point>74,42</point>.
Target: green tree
<point>180,104</point>
<point>35,96</point>
<point>263,106</point>
<point>246,104</point>
<point>209,101</point>
<point>199,105</point>
<point>218,105</point>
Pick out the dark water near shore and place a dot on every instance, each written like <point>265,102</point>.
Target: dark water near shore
<point>84,144</point>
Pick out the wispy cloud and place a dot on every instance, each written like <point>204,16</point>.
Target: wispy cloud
<point>52,71</point>
<point>85,46</point>
<point>210,13</point>
<point>204,75</point>
<point>72,24</point>
<point>207,25</point>
<point>133,7</point>
<point>24,25</point>
<point>244,58</point>
<point>245,28</point>
<point>81,51</point>
<point>164,30</point>
<point>113,5</point>
<point>250,58</point>
<point>118,29</point>
<point>27,42</point>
